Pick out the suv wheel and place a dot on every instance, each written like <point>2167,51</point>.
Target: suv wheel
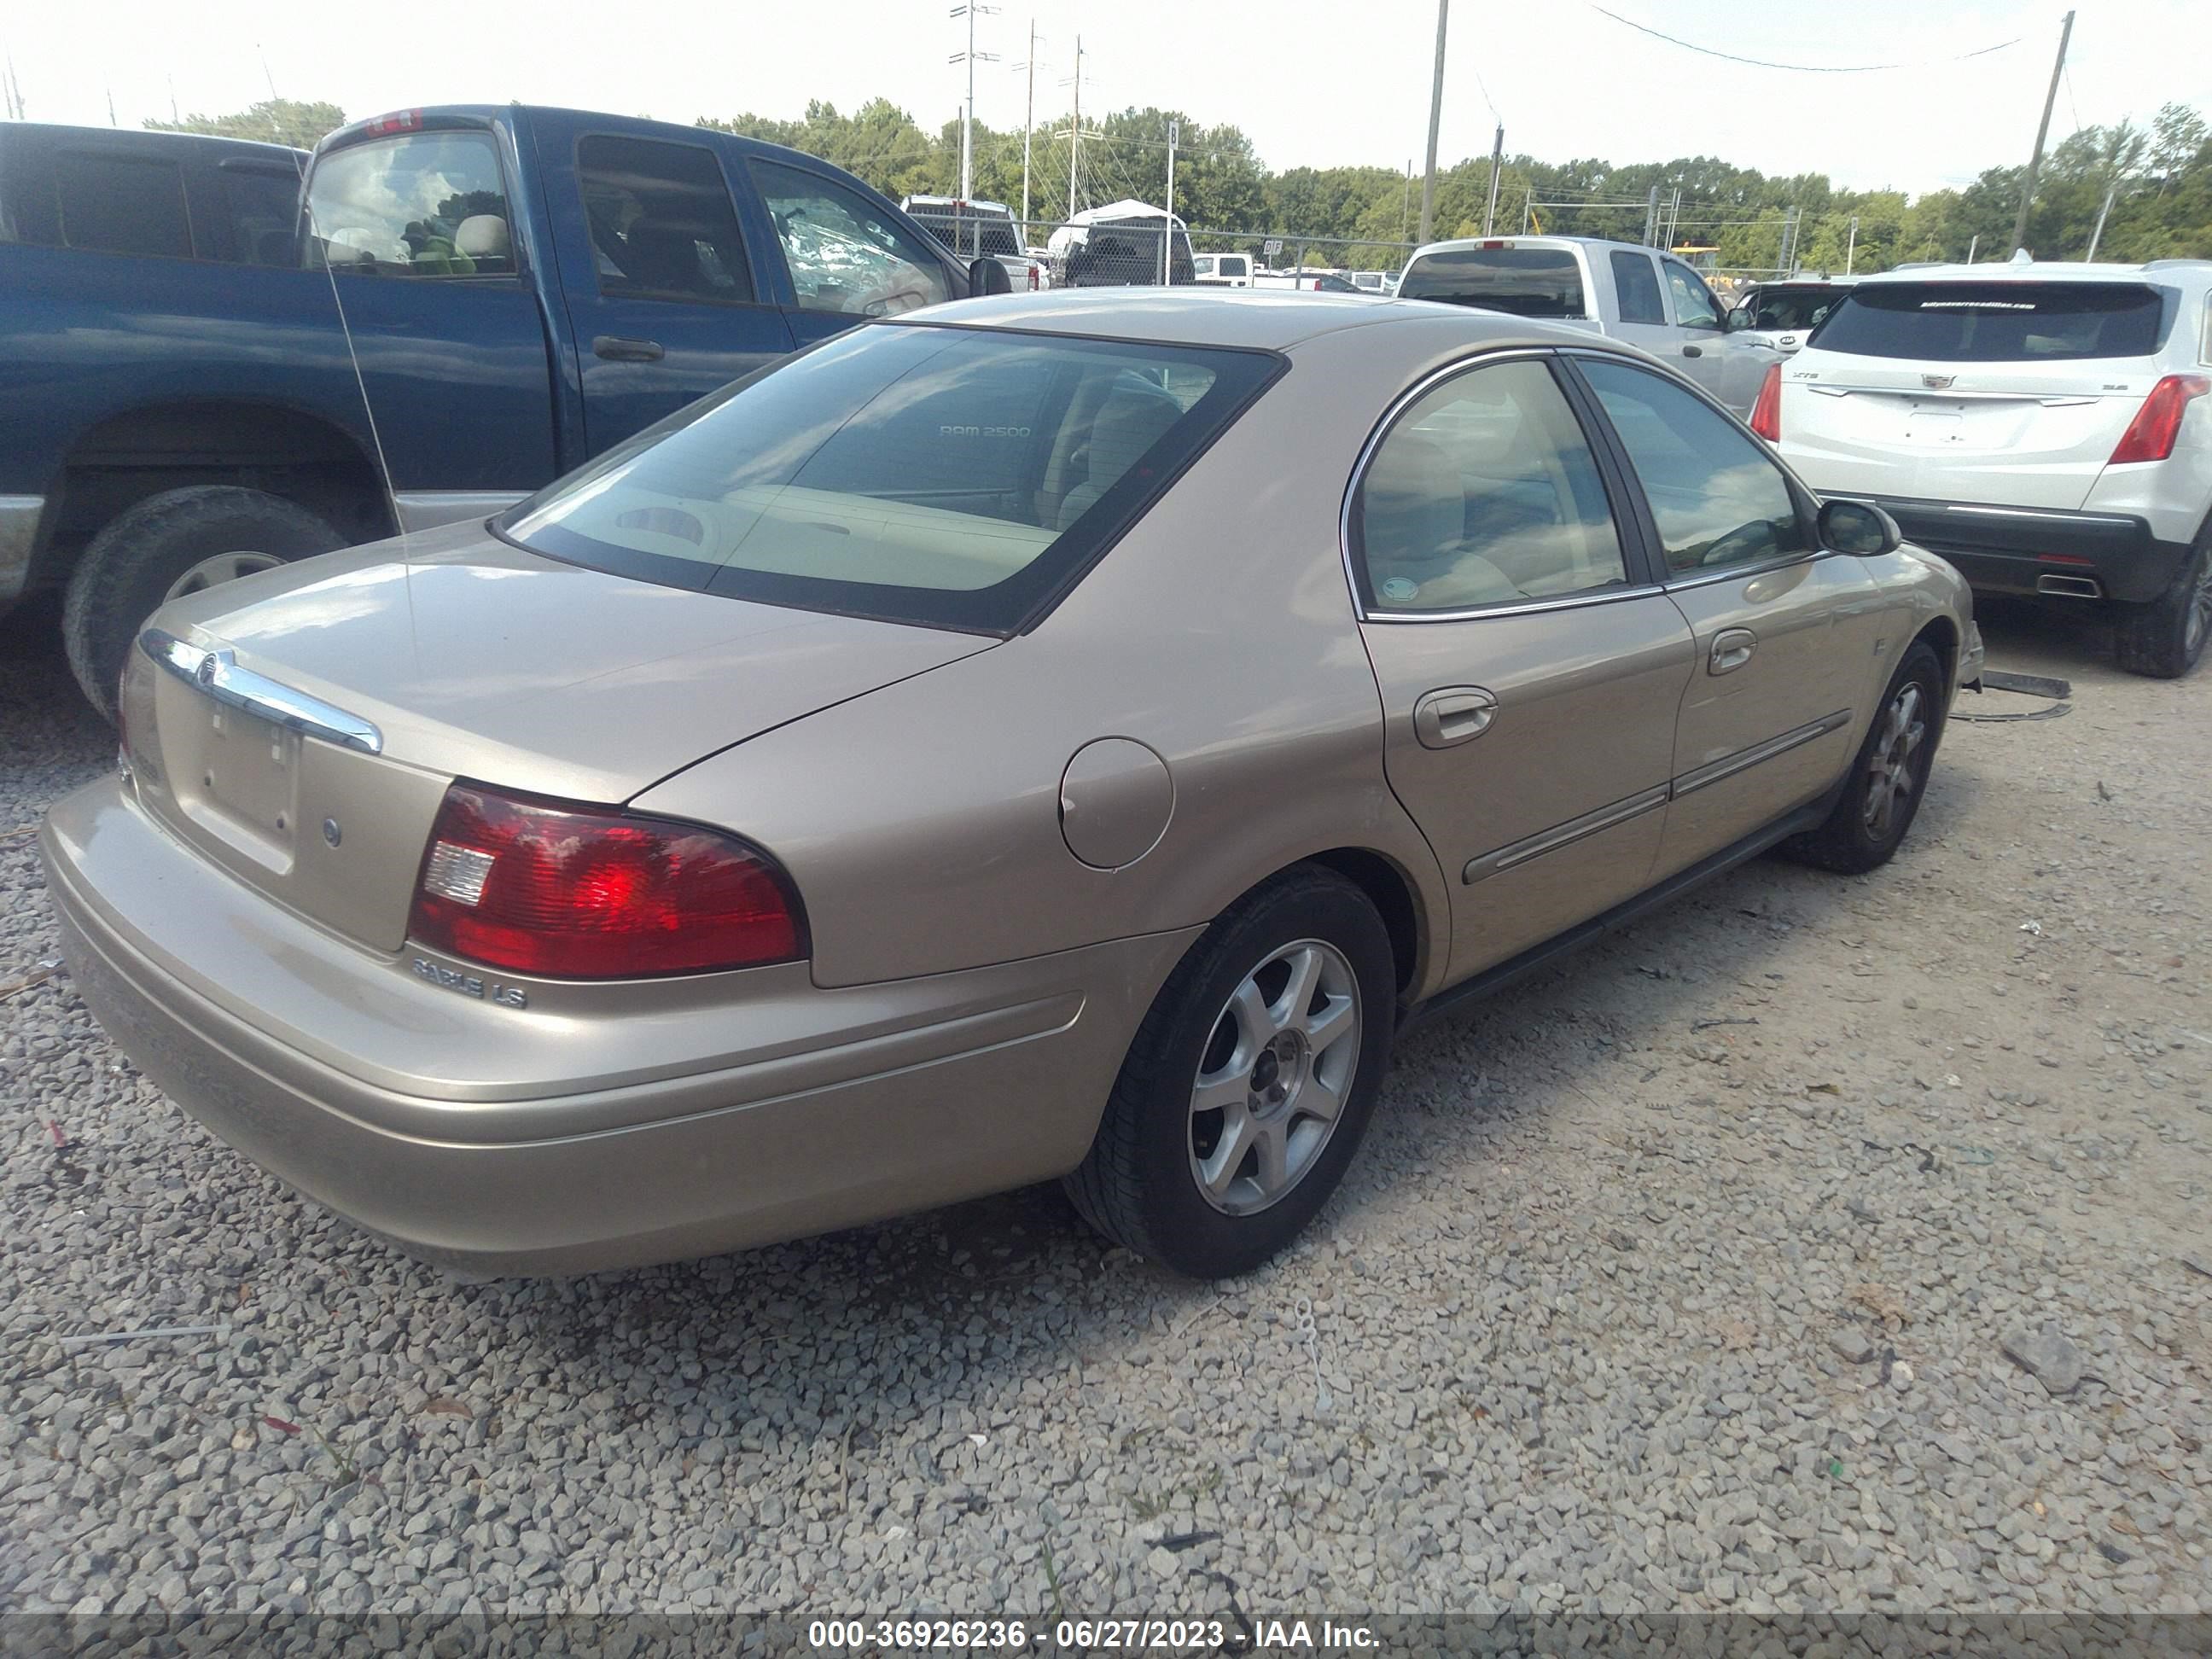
<point>1246,1088</point>
<point>2163,638</point>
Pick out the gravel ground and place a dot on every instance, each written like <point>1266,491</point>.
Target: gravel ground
<point>1615,1312</point>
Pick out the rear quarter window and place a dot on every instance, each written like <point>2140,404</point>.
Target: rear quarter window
<point>122,205</point>
<point>1996,322</point>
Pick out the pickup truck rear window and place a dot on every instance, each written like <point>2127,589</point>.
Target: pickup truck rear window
<point>944,477</point>
<point>969,234</point>
<point>430,204</point>
<point>1995,322</point>
<point>1527,282</point>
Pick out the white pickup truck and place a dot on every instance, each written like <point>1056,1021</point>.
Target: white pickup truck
<point>1620,289</point>
<point>981,230</point>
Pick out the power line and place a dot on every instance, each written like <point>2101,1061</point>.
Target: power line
<point>1801,69</point>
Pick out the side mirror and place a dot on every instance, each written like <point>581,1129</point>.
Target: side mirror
<point>1859,527</point>
<point>1739,319</point>
<point>989,276</point>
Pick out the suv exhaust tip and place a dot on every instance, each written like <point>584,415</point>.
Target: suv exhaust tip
<point>2071,587</point>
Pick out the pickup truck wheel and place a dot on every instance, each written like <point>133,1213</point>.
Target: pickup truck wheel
<point>167,546</point>
<point>2163,638</point>
<point>1247,1087</point>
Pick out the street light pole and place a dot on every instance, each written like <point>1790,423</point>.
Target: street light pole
<point>1167,225</point>
<point>1852,248</point>
<point>1436,117</point>
<point>2042,132</point>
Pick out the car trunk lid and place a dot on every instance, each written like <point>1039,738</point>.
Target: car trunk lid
<point>303,729</point>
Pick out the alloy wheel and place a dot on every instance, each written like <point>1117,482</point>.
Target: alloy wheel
<point>1890,776</point>
<point>1274,1078</point>
<point>214,572</point>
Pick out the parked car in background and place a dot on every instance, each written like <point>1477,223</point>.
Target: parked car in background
<point>1370,281</point>
<point>1785,312</point>
<point>2044,426</point>
<point>593,889</point>
<point>1120,245</point>
<point>1620,289</point>
<point>980,230</point>
<point>1221,270</point>
<point>520,289</point>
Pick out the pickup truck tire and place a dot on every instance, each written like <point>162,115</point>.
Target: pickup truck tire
<point>2163,638</point>
<point>129,567</point>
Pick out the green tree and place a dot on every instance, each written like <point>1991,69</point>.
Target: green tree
<point>273,121</point>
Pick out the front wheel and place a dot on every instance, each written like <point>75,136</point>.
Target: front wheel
<point>1888,777</point>
<point>1249,1084</point>
<point>2164,639</point>
<point>163,547</point>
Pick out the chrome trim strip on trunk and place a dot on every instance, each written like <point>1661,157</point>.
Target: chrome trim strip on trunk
<point>216,674</point>
<point>428,509</point>
<point>19,534</point>
<point>1562,834</point>
<point>1744,759</point>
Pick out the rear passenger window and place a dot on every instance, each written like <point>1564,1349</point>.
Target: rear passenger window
<point>1637,286</point>
<point>1718,500</point>
<point>1485,492</point>
<point>264,216</point>
<point>122,205</point>
<point>663,227</point>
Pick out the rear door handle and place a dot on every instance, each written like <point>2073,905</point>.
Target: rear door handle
<point>1693,351</point>
<point>1732,648</point>
<point>1453,715</point>
<point>615,349</point>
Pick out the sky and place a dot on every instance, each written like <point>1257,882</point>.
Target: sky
<point>1320,84</point>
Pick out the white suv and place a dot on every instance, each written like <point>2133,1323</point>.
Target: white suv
<point>2044,426</point>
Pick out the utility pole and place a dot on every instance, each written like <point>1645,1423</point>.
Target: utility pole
<point>112,121</point>
<point>2042,132</point>
<point>1852,248</point>
<point>968,110</point>
<point>1435,117</point>
<point>1028,122</point>
<point>1496,161</point>
<point>1075,130</point>
<point>2097,234</point>
<point>1406,205</point>
<point>1651,217</point>
<point>1167,224</point>
<point>1973,243</point>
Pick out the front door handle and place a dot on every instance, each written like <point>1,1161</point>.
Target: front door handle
<point>1693,351</point>
<point>615,349</point>
<point>1455,714</point>
<point>1732,648</point>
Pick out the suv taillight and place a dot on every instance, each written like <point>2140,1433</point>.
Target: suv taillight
<point>580,892</point>
<point>2150,435</point>
<point>1766,412</point>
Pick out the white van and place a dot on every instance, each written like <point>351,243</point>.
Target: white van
<point>1222,269</point>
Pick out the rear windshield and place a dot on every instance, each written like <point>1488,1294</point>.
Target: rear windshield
<point>1995,322</point>
<point>1792,307</point>
<point>1528,281</point>
<point>948,476</point>
<point>970,233</point>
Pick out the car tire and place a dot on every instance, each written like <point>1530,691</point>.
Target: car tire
<point>1888,777</point>
<point>172,543</point>
<point>1224,1022</point>
<point>2163,638</point>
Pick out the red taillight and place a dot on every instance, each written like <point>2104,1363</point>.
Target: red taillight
<point>1034,275</point>
<point>406,120</point>
<point>1766,412</point>
<point>574,892</point>
<point>2150,435</point>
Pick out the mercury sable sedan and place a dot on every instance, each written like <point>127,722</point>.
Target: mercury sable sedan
<point>1067,736</point>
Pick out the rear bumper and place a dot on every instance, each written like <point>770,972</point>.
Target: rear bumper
<point>980,1081</point>
<point>2012,549</point>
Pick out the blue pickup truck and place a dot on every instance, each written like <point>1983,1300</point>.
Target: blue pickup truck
<point>217,355</point>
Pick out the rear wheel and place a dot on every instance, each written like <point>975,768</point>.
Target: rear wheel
<point>2163,638</point>
<point>169,545</point>
<point>1249,1084</point>
<point>1888,777</point>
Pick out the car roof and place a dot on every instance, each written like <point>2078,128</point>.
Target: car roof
<point>2055,270</point>
<point>150,137</point>
<point>1457,242</point>
<point>1266,320</point>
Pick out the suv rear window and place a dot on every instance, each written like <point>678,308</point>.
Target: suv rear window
<point>945,476</point>
<point>1995,322</point>
<point>1527,282</point>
